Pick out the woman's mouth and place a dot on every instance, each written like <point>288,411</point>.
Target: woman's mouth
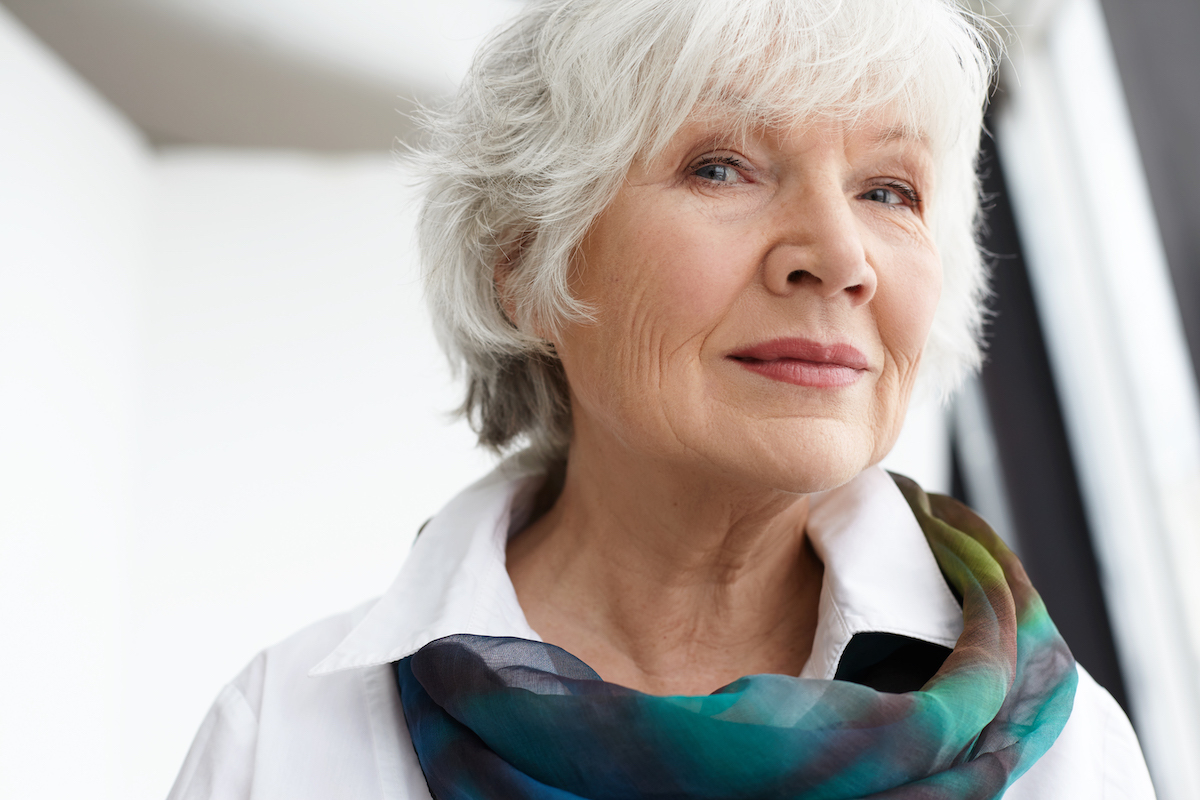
<point>803,362</point>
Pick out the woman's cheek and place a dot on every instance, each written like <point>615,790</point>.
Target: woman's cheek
<point>916,305</point>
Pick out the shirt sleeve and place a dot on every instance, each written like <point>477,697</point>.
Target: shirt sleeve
<point>220,762</point>
<point>1097,756</point>
<point>1125,771</point>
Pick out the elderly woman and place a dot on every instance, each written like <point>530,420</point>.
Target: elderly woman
<point>694,256</point>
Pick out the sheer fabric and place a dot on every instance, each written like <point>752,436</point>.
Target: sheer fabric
<point>500,717</point>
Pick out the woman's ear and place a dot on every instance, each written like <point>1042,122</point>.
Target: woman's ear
<point>512,253</point>
<point>501,277</point>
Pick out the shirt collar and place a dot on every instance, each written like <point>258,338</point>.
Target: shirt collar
<point>880,575</point>
<point>454,580</point>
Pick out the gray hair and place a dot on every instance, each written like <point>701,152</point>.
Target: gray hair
<point>559,103</point>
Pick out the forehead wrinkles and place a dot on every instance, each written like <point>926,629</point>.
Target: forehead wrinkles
<point>710,125</point>
<point>742,102</point>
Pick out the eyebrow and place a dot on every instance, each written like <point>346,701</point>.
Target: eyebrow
<point>901,133</point>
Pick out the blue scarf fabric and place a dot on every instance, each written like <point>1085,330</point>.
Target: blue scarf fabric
<point>511,718</point>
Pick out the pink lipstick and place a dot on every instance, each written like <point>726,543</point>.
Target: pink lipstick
<point>804,362</point>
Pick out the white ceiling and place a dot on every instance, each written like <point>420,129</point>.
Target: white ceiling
<point>323,74</point>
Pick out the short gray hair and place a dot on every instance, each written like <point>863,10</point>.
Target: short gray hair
<point>559,103</point>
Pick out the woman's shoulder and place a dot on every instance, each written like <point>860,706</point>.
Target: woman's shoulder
<point>295,655</point>
<point>276,731</point>
<point>1096,756</point>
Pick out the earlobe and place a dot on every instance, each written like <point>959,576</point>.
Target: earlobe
<point>504,278</point>
<point>501,275</point>
<point>509,258</point>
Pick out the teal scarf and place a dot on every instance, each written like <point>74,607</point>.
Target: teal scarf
<point>511,718</point>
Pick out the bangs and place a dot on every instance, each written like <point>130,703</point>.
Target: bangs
<point>780,63</point>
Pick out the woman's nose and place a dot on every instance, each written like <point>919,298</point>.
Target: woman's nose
<point>820,249</point>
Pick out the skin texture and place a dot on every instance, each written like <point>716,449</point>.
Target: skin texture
<point>675,559</point>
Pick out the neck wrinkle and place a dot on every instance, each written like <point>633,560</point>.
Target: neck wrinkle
<point>648,573</point>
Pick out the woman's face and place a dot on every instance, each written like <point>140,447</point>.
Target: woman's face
<point>761,302</point>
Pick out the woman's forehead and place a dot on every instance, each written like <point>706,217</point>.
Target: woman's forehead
<point>875,128</point>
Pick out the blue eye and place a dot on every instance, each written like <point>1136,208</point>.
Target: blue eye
<point>886,196</point>
<point>896,194</point>
<point>718,172</point>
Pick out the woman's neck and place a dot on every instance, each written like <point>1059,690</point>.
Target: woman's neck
<point>669,583</point>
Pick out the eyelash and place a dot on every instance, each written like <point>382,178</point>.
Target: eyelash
<point>724,161</point>
<point>904,190</point>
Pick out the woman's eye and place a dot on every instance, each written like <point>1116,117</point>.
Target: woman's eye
<point>718,173</point>
<point>893,195</point>
<point>884,196</point>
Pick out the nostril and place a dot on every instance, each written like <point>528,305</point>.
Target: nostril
<point>795,276</point>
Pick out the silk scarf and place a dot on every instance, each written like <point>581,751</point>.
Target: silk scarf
<point>511,718</point>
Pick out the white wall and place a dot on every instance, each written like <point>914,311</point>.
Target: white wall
<point>72,179</point>
<point>294,434</point>
<point>221,417</point>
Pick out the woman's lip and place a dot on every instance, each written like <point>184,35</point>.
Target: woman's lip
<point>839,355</point>
<point>804,362</point>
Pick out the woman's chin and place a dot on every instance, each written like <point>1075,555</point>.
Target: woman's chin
<point>815,459</point>
<point>817,473</point>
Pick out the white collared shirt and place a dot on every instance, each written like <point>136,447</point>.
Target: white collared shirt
<point>319,715</point>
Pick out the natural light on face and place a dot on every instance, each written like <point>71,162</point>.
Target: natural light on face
<point>761,301</point>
